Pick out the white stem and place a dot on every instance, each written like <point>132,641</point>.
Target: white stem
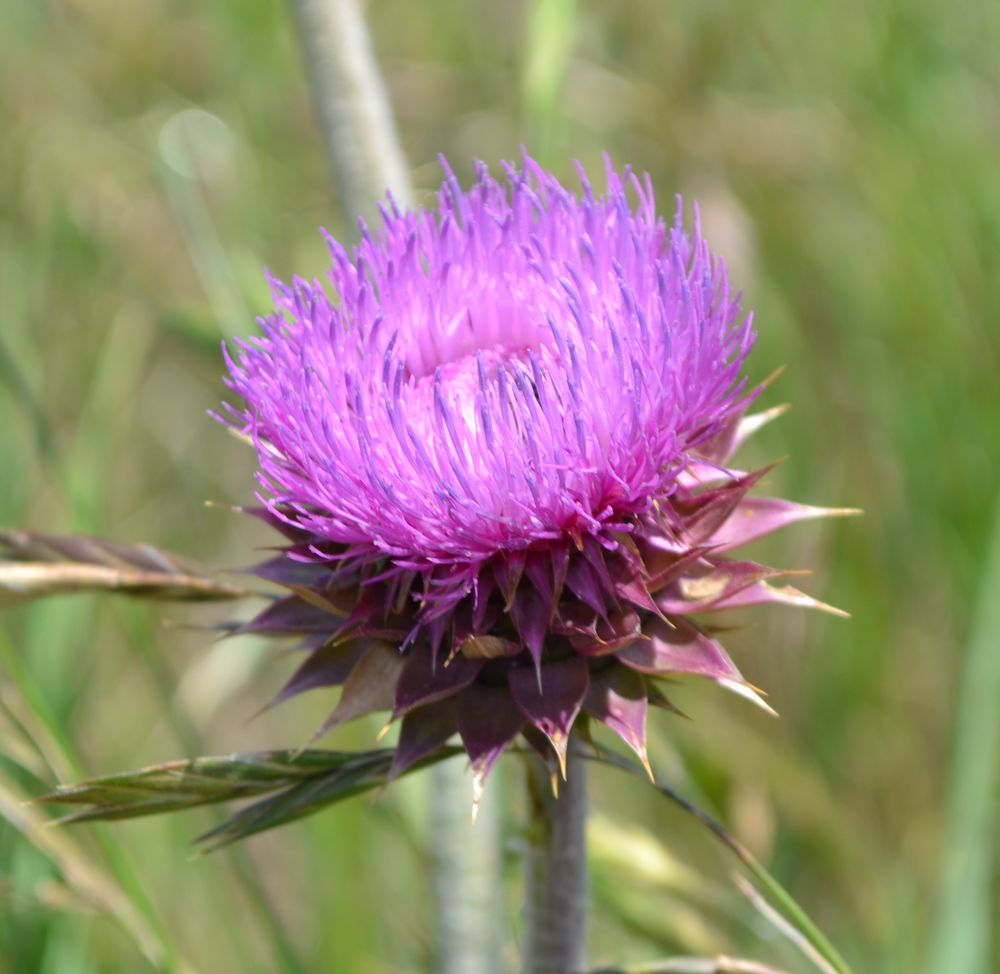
<point>353,106</point>
<point>466,875</point>
<point>555,901</point>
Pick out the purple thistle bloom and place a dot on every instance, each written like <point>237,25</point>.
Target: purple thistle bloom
<point>500,457</point>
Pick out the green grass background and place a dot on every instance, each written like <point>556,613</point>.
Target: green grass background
<point>847,161</point>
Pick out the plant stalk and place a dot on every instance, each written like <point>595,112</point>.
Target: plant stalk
<point>466,875</point>
<point>555,901</point>
<point>355,114</point>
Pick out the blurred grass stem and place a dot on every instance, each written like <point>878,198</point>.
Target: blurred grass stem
<point>134,909</point>
<point>811,933</point>
<point>135,621</point>
<point>466,875</point>
<point>186,145</point>
<point>964,929</point>
<point>548,47</point>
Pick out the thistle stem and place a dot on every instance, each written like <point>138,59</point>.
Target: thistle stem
<point>555,901</point>
<point>466,876</point>
<point>354,109</point>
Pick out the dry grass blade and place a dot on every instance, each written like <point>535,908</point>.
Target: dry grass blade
<point>34,565</point>
<point>785,928</point>
<point>88,879</point>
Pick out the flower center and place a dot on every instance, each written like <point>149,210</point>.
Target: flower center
<point>494,324</point>
<point>462,353</point>
<point>460,382</point>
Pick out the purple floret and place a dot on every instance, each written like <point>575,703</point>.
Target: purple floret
<point>522,364</point>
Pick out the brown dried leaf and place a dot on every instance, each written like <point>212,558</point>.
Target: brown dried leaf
<point>34,565</point>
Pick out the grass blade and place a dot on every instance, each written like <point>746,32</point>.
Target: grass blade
<point>964,928</point>
<point>815,937</point>
<point>175,785</point>
<point>134,909</point>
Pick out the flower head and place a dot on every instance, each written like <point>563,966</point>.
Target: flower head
<point>499,449</point>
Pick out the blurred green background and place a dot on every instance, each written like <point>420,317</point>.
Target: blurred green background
<point>156,155</point>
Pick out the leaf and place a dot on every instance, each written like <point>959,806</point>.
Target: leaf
<point>964,923</point>
<point>422,731</point>
<point>351,777</point>
<point>679,648</point>
<point>762,593</point>
<point>328,665</point>
<point>285,571</point>
<point>488,722</point>
<point>34,565</point>
<point>290,616</point>
<point>424,679</point>
<point>706,511</point>
<point>756,517</point>
<point>709,582</point>
<point>617,697</point>
<point>362,772</point>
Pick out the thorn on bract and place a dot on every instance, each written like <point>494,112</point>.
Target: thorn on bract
<point>748,692</point>
<point>560,744</point>
<point>644,759</point>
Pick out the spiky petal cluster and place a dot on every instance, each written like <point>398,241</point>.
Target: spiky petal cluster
<point>499,455</point>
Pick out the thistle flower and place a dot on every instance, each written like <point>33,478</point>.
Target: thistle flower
<point>500,457</point>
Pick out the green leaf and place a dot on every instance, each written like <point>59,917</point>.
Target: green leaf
<point>361,773</point>
<point>964,933</point>
<point>296,783</point>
